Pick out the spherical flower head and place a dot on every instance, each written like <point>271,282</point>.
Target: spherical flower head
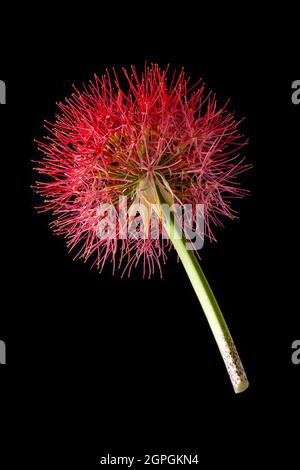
<point>115,145</point>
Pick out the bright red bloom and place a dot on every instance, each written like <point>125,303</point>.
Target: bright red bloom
<point>107,142</point>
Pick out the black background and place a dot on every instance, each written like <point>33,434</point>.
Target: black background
<point>99,364</point>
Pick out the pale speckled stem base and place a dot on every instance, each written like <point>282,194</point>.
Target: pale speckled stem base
<point>208,302</point>
<point>233,363</point>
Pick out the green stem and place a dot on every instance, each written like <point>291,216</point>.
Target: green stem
<point>207,300</point>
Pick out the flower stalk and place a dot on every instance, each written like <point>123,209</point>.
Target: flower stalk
<point>207,300</point>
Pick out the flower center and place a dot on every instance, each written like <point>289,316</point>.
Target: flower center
<point>147,201</point>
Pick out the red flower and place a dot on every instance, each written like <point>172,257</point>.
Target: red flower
<point>158,134</point>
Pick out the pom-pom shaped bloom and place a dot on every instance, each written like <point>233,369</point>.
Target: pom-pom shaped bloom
<point>152,134</point>
<point>117,161</point>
